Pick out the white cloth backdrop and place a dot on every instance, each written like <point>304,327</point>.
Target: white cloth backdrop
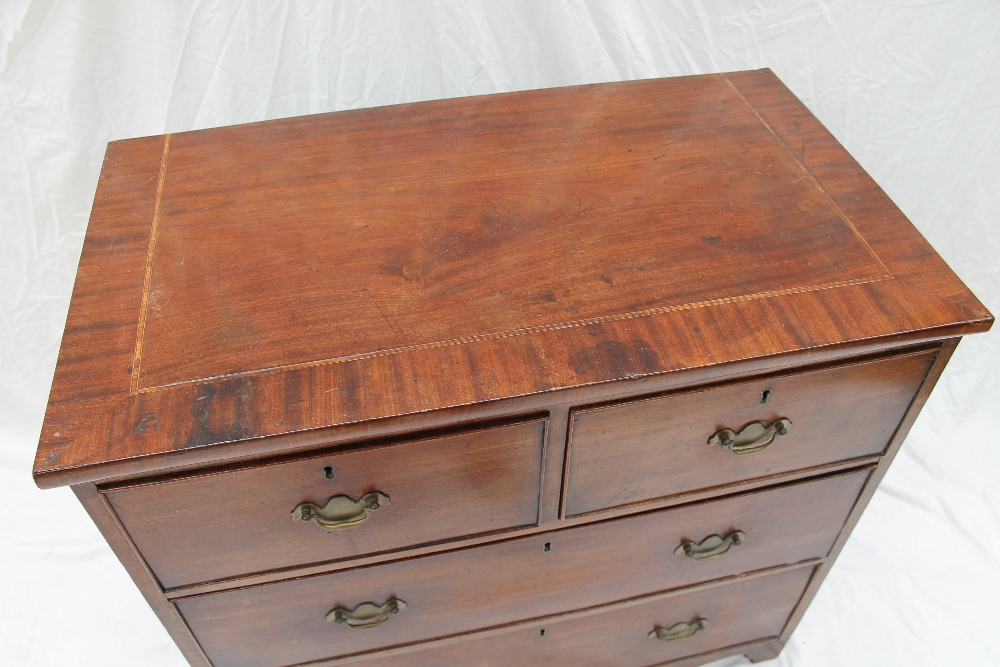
<point>911,88</point>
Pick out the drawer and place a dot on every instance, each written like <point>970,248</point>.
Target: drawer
<point>547,573</point>
<point>734,614</point>
<point>214,526</point>
<point>653,448</point>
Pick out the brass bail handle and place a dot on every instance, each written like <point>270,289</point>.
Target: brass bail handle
<point>341,512</point>
<point>752,438</point>
<point>712,547</point>
<point>680,631</point>
<point>366,614</point>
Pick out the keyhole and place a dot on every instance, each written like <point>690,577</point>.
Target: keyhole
<point>328,472</point>
<point>547,546</point>
<point>541,633</point>
<point>764,395</point>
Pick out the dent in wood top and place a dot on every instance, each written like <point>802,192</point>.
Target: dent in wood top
<point>344,267</point>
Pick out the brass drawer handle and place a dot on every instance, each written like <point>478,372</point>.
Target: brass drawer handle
<point>340,511</point>
<point>752,438</point>
<point>366,614</point>
<point>680,631</point>
<point>713,546</point>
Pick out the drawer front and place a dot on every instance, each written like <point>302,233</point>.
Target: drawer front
<point>655,448</point>
<point>223,525</point>
<point>736,614</point>
<point>547,573</point>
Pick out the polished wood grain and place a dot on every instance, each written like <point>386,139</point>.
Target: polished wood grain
<point>306,273</point>
<point>520,316</point>
<point>737,613</point>
<point>554,464</point>
<point>943,356</point>
<point>657,447</point>
<point>206,527</point>
<point>538,623</point>
<point>524,578</point>
<point>123,547</point>
<point>348,435</point>
<point>405,224</point>
<point>490,538</point>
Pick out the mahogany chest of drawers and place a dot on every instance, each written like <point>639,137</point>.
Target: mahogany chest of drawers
<point>600,375</point>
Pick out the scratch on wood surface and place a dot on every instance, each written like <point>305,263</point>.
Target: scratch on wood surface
<point>392,327</point>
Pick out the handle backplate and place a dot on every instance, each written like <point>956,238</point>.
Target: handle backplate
<point>752,438</point>
<point>712,547</point>
<point>341,511</point>
<point>680,631</point>
<point>366,614</point>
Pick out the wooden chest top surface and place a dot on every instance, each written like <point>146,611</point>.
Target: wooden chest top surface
<point>318,240</point>
<point>296,274</point>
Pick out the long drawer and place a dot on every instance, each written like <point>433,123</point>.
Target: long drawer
<point>641,450</point>
<point>547,573</point>
<point>702,620</point>
<point>214,526</point>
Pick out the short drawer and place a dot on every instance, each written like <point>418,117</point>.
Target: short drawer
<point>547,573</point>
<point>733,615</point>
<point>658,447</point>
<point>215,526</point>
